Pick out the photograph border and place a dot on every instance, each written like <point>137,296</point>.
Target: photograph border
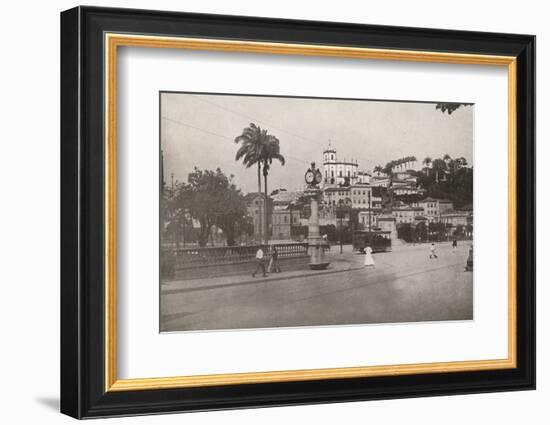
<point>88,292</point>
<point>292,97</point>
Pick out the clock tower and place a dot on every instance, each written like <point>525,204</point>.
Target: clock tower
<point>316,244</point>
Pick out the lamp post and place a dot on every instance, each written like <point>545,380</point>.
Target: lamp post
<point>370,211</point>
<point>339,212</point>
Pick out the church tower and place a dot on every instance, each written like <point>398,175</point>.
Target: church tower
<point>329,165</point>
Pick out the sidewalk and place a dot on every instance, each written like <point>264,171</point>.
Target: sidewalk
<point>338,263</point>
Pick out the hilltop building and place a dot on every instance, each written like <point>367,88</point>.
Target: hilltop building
<point>336,172</point>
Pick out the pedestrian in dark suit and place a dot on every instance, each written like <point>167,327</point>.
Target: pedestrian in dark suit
<point>274,265</point>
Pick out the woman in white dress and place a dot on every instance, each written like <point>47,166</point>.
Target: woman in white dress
<point>369,261</point>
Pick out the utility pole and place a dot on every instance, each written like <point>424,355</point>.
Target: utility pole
<point>341,244</point>
<point>340,211</point>
<point>370,211</point>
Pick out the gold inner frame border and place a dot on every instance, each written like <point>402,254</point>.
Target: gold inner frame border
<point>113,40</point>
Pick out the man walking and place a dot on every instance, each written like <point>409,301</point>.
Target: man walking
<point>432,251</point>
<point>455,244</point>
<point>259,262</point>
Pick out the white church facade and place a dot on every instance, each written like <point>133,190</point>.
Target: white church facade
<point>336,172</point>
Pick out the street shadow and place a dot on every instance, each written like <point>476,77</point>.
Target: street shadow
<point>49,402</point>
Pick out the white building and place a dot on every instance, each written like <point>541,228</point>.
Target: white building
<point>433,208</point>
<point>361,196</point>
<point>336,172</point>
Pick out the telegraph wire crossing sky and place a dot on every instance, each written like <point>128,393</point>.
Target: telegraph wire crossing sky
<point>199,130</point>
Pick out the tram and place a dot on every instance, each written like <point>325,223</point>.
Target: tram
<point>378,240</point>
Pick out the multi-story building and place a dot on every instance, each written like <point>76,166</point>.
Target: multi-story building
<point>406,214</point>
<point>381,181</point>
<point>332,196</point>
<point>361,196</point>
<point>377,194</point>
<point>363,177</point>
<point>336,172</point>
<point>455,218</point>
<point>283,217</point>
<point>366,215</point>
<point>433,208</point>
<point>285,213</point>
<point>256,209</point>
<point>405,165</point>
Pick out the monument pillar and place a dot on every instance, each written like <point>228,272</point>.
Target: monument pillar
<point>313,228</point>
<point>316,244</point>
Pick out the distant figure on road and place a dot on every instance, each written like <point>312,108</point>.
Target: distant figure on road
<point>325,240</point>
<point>455,244</point>
<point>470,260</point>
<point>259,262</point>
<point>274,262</point>
<point>369,261</point>
<point>432,251</point>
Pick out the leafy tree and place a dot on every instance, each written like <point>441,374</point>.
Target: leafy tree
<point>408,198</point>
<point>406,232</point>
<point>439,167</point>
<point>179,224</point>
<point>212,199</point>
<point>436,231</point>
<point>421,231</point>
<point>457,184</point>
<point>427,161</point>
<point>449,107</point>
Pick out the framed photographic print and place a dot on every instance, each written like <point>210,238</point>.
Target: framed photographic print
<point>261,212</point>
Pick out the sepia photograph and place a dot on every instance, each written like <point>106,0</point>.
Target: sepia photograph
<point>279,211</point>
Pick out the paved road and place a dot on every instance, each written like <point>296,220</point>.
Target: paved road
<point>405,286</point>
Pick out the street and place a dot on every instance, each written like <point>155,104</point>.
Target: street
<point>405,286</point>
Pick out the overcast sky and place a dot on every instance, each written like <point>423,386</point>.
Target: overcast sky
<point>200,130</point>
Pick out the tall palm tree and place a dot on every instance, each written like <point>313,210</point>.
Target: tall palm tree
<point>270,151</point>
<point>252,140</point>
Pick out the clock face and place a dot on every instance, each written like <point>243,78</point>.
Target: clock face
<point>318,177</point>
<point>310,177</point>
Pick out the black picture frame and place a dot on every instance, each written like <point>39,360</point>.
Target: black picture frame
<point>83,392</point>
